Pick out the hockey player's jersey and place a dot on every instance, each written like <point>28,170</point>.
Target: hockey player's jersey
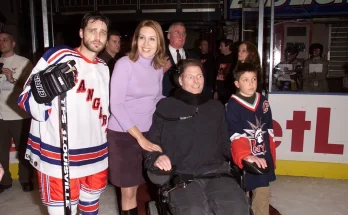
<point>87,111</point>
<point>250,131</point>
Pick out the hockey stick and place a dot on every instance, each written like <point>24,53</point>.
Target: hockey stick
<point>63,125</point>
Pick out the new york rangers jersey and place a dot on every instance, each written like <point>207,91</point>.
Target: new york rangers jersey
<point>87,111</point>
<point>251,133</point>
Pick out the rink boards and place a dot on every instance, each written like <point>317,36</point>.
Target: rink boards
<point>311,134</point>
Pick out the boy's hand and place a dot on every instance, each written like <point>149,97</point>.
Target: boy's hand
<point>261,162</point>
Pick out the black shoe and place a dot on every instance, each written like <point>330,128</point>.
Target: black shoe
<point>133,211</point>
<point>4,187</point>
<point>27,187</point>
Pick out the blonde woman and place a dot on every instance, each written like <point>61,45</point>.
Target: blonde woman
<point>136,87</point>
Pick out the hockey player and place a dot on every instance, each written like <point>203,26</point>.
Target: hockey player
<point>249,120</point>
<point>87,100</point>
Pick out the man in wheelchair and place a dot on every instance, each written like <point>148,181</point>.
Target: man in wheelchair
<point>192,132</point>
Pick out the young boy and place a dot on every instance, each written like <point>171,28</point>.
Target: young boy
<point>249,121</point>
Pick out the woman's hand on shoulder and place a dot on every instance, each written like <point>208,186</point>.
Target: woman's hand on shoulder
<point>163,163</point>
<point>148,146</point>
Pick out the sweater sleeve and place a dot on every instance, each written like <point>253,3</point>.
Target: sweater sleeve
<point>160,92</point>
<point>240,146</point>
<point>154,136</point>
<point>118,92</point>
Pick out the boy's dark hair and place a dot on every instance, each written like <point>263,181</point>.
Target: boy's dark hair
<point>113,33</point>
<point>94,16</point>
<point>243,68</point>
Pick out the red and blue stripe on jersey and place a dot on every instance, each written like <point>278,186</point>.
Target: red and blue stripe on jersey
<point>77,157</point>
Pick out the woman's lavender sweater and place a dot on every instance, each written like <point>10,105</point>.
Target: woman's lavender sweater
<point>135,89</point>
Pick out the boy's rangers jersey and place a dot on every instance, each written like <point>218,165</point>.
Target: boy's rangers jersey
<point>251,133</point>
<point>87,111</point>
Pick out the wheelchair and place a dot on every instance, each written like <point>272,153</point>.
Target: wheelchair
<point>169,181</point>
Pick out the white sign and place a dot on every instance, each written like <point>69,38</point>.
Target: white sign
<point>315,68</point>
<point>309,127</point>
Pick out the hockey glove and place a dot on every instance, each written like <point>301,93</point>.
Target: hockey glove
<point>53,81</point>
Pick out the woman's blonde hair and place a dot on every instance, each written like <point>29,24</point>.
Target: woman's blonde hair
<point>159,59</point>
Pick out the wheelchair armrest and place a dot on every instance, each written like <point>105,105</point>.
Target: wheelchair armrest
<point>254,169</point>
<point>161,177</point>
<point>183,179</point>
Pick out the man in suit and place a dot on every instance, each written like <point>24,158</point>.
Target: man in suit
<point>176,52</point>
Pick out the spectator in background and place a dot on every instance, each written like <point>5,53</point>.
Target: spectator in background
<point>223,76</point>
<point>288,73</point>
<point>315,70</point>
<point>247,53</point>
<point>176,52</point>
<point>112,48</point>
<point>207,60</point>
<point>14,122</point>
<point>59,39</point>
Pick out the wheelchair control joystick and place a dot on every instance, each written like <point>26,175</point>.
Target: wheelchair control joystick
<point>179,181</point>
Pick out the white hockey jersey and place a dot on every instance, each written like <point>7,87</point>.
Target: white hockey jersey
<point>87,111</point>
